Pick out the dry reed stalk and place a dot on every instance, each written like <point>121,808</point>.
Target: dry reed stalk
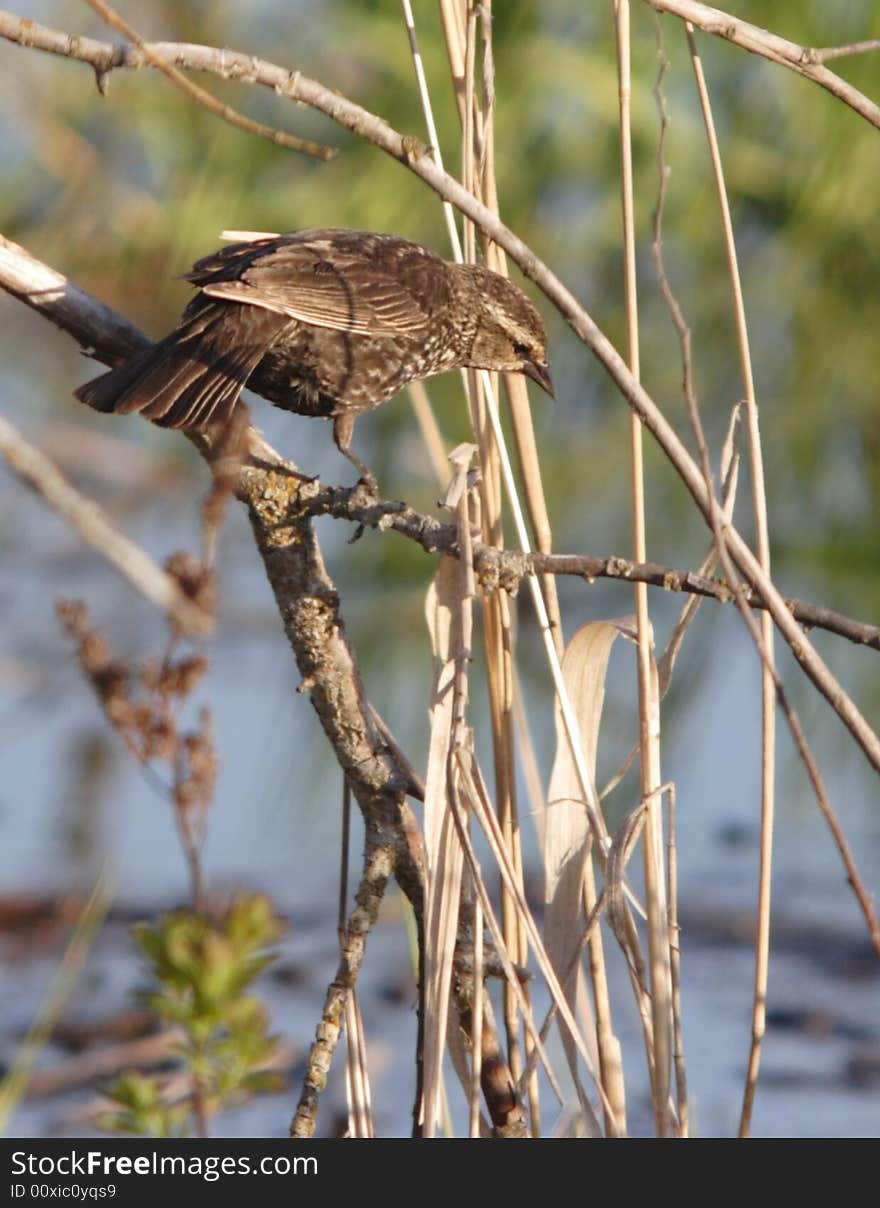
<point>649,711</point>
<point>770,678</point>
<point>450,615</point>
<point>441,912</point>
<point>727,554</point>
<point>678,1063</point>
<point>514,384</point>
<point>473,789</point>
<point>496,611</point>
<point>628,937</point>
<point>477,1029</point>
<point>610,1056</point>
<point>443,860</point>
<point>357,1083</point>
<point>498,635</point>
<point>759,503</point>
<point>430,430</point>
<point>771,682</point>
<point>759,507</point>
<point>480,138</point>
<point>357,1080</point>
<point>14,1084</point>
<point>497,632</point>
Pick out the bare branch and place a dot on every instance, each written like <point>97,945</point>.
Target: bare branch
<point>98,330</point>
<point>801,59</point>
<point>155,584</point>
<point>27,33</point>
<point>507,568</point>
<point>851,48</point>
<point>229,64</point>
<point>379,863</point>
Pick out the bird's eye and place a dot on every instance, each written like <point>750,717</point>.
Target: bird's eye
<point>521,350</point>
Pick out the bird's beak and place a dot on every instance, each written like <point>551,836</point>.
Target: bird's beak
<point>540,374</point>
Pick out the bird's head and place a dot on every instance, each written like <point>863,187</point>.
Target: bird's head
<point>510,335</point>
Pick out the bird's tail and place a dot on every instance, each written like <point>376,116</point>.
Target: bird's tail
<point>194,376</point>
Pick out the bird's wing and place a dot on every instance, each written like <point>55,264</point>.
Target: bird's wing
<point>392,289</point>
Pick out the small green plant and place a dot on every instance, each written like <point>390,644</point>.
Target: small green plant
<point>203,967</point>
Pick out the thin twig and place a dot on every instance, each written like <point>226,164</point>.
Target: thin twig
<point>156,585</point>
<point>823,54</point>
<point>802,59</point>
<point>681,1090</point>
<point>660,1057</point>
<point>303,145</point>
<point>768,693</point>
<point>379,863</point>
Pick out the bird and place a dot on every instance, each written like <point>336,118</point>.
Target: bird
<point>326,322</point>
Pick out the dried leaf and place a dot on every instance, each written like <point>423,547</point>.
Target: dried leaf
<point>443,855</point>
<point>563,824</point>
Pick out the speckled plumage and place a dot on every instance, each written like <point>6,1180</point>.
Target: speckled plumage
<point>327,322</point>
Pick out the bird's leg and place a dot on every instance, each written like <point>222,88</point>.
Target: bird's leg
<point>343,430</point>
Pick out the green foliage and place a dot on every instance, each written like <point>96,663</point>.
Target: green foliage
<point>141,1108</point>
<point>203,968</point>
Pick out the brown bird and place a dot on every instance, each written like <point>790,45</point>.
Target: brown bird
<point>326,322</point>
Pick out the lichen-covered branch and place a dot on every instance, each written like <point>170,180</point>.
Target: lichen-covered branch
<point>379,864</point>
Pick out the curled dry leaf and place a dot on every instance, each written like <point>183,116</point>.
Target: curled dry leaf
<point>443,862</point>
<point>563,826</point>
